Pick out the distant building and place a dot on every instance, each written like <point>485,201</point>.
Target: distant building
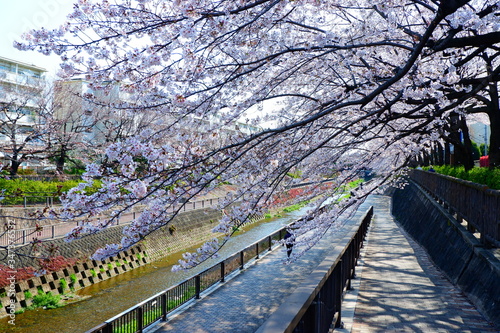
<point>21,91</point>
<point>480,134</point>
<point>94,113</point>
<point>104,116</point>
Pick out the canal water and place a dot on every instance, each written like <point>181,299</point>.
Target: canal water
<point>108,298</point>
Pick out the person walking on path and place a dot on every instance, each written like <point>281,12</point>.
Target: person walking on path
<point>289,239</point>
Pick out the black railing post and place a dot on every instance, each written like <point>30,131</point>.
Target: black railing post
<point>164,307</point>
<point>53,230</point>
<point>257,250</point>
<point>222,271</point>
<point>270,243</point>
<point>317,312</point>
<point>242,262</point>
<point>339,290</point>
<point>350,268</point>
<point>140,319</point>
<point>197,286</point>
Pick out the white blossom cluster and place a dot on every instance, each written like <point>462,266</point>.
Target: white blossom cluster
<point>329,88</point>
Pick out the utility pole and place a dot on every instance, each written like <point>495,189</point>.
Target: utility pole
<point>485,140</point>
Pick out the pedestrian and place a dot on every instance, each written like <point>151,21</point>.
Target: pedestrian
<point>289,243</point>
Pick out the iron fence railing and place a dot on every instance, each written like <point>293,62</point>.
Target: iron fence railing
<point>323,310</point>
<point>28,199</point>
<point>26,235</point>
<point>478,205</point>
<point>157,307</point>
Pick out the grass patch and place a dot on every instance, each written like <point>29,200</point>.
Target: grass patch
<point>295,207</point>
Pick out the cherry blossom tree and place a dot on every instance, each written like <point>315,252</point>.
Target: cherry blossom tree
<point>23,114</point>
<point>336,86</point>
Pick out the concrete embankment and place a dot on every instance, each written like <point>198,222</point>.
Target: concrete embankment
<point>460,255</point>
<point>188,229</point>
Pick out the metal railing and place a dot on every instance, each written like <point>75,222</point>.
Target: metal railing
<point>28,199</point>
<point>316,306</point>
<point>157,307</point>
<point>478,205</point>
<point>26,235</point>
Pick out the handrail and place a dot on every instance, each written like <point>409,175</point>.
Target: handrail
<point>316,306</point>
<point>157,307</point>
<point>475,203</point>
<point>57,230</point>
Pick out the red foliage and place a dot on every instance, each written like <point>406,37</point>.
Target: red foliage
<point>8,275</point>
<point>56,263</point>
<point>285,197</point>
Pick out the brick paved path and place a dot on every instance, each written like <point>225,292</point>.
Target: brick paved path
<point>402,291</point>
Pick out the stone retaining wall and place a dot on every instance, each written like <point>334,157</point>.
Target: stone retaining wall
<point>191,228</point>
<point>457,252</point>
<point>76,277</point>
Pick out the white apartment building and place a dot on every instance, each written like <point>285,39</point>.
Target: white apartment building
<point>21,90</point>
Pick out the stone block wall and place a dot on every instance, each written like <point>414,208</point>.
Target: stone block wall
<point>76,277</point>
<point>191,229</point>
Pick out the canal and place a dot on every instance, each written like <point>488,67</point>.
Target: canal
<point>110,297</point>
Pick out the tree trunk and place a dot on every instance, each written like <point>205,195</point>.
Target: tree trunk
<point>494,153</point>
<point>494,115</point>
<point>14,167</point>
<point>61,159</point>
<point>467,158</point>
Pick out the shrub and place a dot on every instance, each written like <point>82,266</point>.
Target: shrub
<point>15,189</point>
<point>485,176</point>
<point>64,285</point>
<point>45,300</point>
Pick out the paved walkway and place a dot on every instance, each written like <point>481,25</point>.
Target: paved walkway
<point>402,291</point>
<point>399,293</point>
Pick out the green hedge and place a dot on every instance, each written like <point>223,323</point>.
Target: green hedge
<point>485,176</point>
<point>16,189</point>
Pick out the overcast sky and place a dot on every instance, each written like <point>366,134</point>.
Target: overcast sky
<point>19,16</point>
